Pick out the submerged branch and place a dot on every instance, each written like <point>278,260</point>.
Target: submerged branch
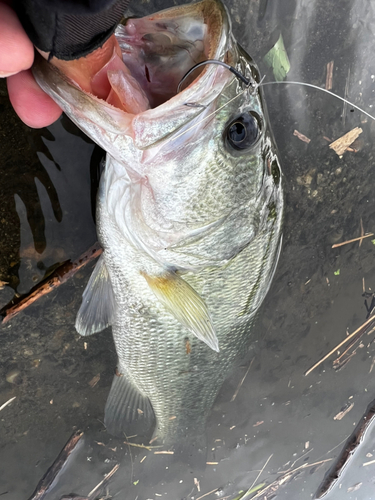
<point>57,278</point>
<point>49,477</point>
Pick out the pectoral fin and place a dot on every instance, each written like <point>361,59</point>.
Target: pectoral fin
<point>96,311</point>
<point>186,305</point>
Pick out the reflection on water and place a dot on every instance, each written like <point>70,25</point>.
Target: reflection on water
<point>20,162</point>
<point>277,411</point>
<point>44,185</point>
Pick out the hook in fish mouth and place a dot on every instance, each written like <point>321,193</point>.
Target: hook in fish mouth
<point>247,81</point>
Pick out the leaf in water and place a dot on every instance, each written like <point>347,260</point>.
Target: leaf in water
<point>373,242</point>
<point>241,494</point>
<point>337,273</point>
<point>277,59</point>
<point>248,493</point>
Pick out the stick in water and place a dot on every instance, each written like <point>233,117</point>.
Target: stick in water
<point>360,238</point>
<point>372,318</point>
<point>57,278</point>
<point>49,477</point>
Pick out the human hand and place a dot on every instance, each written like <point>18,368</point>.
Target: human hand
<point>33,106</point>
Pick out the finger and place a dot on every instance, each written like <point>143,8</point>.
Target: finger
<point>16,50</point>
<point>33,106</point>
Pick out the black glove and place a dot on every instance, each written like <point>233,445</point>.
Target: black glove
<point>69,29</point>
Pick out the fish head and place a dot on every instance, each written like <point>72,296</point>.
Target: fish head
<point>184,169</point>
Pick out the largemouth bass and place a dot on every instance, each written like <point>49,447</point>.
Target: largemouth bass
<point>189,214</point>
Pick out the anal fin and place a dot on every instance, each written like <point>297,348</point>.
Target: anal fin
<point>127,411</point>
<point>186,305</point>
<point>98,303</point>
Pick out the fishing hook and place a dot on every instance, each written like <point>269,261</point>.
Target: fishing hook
<point>239,75</point>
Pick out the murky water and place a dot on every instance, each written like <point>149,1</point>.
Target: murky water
<point>279,417</point>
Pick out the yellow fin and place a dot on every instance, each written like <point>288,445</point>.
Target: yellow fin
<point>186,305</point>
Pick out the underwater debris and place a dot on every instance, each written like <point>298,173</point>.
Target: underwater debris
<point>57,278</point>
<point>329,77</point>
<point>302,137</point>
<point>341,144</point>
<point>360,238</point>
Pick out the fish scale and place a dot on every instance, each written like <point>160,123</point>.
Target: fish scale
<point>155,343</point>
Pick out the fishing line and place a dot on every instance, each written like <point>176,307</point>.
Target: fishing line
<point>208,116</point>
<point>323,90</point>
<point>254,85</point>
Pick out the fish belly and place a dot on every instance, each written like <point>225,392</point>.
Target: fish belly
<point>159,358</point>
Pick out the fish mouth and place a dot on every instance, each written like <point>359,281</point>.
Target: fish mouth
<point>141,65</point>
<point>134,94</point>
<point>160,49</point>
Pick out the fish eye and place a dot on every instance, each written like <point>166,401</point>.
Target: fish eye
<point>243,131</point>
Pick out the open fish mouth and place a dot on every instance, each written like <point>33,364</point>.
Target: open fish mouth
<point>152,54</point>
<point>159,49</point>
<point>135,93</point>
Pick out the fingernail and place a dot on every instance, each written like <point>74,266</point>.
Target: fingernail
<point>5,74</point>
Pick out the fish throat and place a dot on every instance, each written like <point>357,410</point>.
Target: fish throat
<point>158,51</point>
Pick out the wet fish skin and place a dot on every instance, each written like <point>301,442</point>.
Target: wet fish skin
<point>191,231</point>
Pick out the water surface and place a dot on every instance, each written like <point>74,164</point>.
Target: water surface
<point>316,296</point>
